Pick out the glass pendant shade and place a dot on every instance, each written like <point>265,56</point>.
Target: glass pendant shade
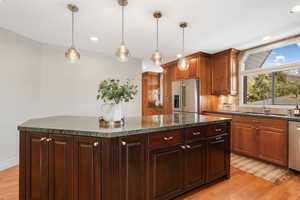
<point>183,64</point>
<point>123,53</point>
<point>157,58</point>
<point>72,55</point>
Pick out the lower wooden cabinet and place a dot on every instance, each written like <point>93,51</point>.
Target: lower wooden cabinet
<point>49,167</point>
<point>87,168</point>
<point>195,164</point>
<point>218,158</point>
<point>262,138</point>
<point>166,172</point>
<point>133,167</point>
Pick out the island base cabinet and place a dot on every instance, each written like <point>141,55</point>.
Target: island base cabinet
<point>133,167</point>
<point>49,162</point>
<point>166,173</point>
<point>87,168</point>
<point>195,159</point>
<point>218,157</point>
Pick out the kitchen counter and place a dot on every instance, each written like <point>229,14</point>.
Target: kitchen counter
<point>272,116</point>
<point>89,126</point>
<point>72,157</point>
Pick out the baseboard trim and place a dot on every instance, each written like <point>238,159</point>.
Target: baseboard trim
<point>5,164</point>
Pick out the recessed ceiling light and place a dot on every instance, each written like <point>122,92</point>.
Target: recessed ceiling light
<point>295,9</point>
<point>93,38</point>
<point>266,38</point>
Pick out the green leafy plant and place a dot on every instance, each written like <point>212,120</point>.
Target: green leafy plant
<point>114,91</point>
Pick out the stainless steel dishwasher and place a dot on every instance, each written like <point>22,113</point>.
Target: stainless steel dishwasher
<point>294,146</point>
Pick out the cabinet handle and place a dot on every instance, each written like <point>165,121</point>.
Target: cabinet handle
<point>168,138</point>
<point>183,147</point>
<point>218,138</point>
<point>49,140</point>
<point>43,139</point>
<point>297,129</point>
<point>188,146</point>
<point>196,133</point>
<point>218,130</point>
<point>123,143</point>
<point>96,144</point>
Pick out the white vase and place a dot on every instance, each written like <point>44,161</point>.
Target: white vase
<point>111,112</point>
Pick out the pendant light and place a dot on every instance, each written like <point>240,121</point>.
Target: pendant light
<point>156,56</point>
<point>183,63</point>
<point>72,55</point>
<point>123,52</point>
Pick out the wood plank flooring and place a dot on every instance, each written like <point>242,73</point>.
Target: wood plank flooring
<point>241,186</point>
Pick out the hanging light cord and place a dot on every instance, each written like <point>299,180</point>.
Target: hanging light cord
<point>72,29</point>
<point>123,24</point>
<point>182,41</point>
<point>157,34</point>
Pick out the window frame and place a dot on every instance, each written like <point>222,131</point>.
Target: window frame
<point>242,72</point>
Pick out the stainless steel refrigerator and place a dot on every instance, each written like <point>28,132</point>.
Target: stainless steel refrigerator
<point>185,96</point>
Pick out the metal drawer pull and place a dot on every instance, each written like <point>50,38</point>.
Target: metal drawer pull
<point>183,147</point>
<point>49,140</point>
<point>219,129</point>
<point>188,146</point>
<point>168,138</point>
<point>96,144</point>
<point>297,129</point>
<point>123,143</point>
<point>196,133</point>
<point>43,139</point>
<point>218,138</point>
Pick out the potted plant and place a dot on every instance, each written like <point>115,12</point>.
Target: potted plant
<point>113,92</point>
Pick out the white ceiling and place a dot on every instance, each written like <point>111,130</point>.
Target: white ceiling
<point>215,25</point>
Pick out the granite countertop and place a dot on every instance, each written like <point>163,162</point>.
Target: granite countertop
<point>272,116</point>
<point>89,126</point>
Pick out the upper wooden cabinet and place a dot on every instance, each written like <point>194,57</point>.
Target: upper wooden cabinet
<point>190,73</point>
<point>225,72</point>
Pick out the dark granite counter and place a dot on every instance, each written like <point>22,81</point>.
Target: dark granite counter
<point>89,126</point>
<point>272,116</point>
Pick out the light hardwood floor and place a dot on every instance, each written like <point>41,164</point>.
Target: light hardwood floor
<point>241,186</point>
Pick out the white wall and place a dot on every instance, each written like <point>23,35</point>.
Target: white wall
<point>71,88</point>
<point>36,81</point>
<point>19,89</point>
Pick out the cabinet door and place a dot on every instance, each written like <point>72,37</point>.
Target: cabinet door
<point>273,145</point>
<point>220,74</point>
<point>244,138</point>
<point>181,74</point>
<point>132,167</point>
<point>87,169</point>
<point>37,167</point>
<point>195,156</point>
<point>193,69</point>
<point>60,167</point>
<point>217,157</point>
<point>166,173</point>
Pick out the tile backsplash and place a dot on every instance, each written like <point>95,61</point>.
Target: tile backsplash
<point>231,103</point>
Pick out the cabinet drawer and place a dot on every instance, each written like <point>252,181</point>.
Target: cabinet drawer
<point>166,139</point>
<point>195,133</point>
<point>216,129</point>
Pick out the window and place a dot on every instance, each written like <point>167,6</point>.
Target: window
<point>272,77</point>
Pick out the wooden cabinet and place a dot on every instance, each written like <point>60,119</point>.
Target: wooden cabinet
<point>244,138</point>
<point>263,138</point>
<point>87,168</point>
<point>217,157</point>
<point>166,173</point>
<point>133,167</point>
<point>195,169</point>
<point>49,167</point>
<point>225,73</point>
<point>191,72</point>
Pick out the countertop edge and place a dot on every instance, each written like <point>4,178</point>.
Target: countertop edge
<point>120,133</point>
<point>296,119</point>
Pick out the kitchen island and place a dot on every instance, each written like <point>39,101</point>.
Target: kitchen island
<point>149,158</point>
